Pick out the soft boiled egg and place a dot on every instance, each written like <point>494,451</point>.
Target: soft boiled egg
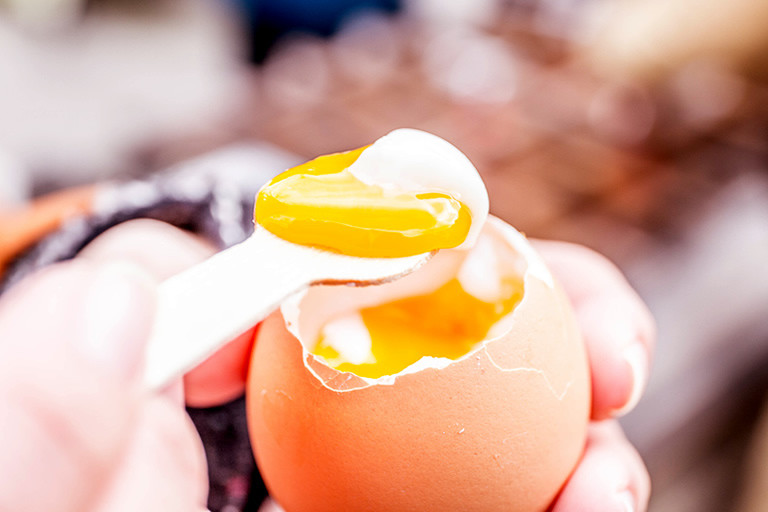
<point>463,386</point>
<point>408,193</point>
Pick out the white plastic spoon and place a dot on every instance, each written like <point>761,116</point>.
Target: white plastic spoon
<point>203,308</point>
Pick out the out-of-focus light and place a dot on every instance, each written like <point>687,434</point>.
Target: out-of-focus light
<point>706,93</point>
<point>43,14</point>
<point>561,18</point>
<point>470,66</point>
<point>81,105</point>
<point>454,12</point>
<point>14,182</point>
<point>649,39</point>
<point>296,74</point>
<point>592,17</point>
<point>367,50</point>
<point>622,113</point>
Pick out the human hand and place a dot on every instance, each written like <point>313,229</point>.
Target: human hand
<point>619,334</point>
<point>163,250</point>
<point>77,432</point>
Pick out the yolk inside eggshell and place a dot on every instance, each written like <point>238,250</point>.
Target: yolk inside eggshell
<point>434,316</point>
<point>448,323</point>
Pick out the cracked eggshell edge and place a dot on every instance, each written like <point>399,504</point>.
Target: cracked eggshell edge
<point>529,264</point>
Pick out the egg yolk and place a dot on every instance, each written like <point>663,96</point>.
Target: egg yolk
<point>446,323</point>
<point>322,204</point>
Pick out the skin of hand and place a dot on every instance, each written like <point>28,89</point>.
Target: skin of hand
<point>619,334</point>
<point>163,250</point>
<point>77,432</point>
<point>140,452</point>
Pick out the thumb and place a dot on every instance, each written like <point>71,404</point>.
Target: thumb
<point>71,345</point>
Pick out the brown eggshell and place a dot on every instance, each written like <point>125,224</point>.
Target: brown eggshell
<point>500,429</point>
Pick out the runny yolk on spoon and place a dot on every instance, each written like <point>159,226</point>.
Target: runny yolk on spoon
<point>448,322</point>
<point>322,204</point>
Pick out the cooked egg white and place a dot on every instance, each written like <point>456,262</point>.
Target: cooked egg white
<point>414,160</point>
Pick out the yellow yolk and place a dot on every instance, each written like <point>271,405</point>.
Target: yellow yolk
<point>320,203</point>
<point>446,323</point>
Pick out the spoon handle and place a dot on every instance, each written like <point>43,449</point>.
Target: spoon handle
<point>203,308</point>
<point>206,306</point>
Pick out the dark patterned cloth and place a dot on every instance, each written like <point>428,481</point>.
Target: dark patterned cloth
<point>217,206</point>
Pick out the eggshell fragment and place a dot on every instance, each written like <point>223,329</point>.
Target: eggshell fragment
<point>499,429</point>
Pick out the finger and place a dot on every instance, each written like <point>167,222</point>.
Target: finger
<point>221,378</point>
<point>164,250</point>
<point>159,248</point>
<point>71,344</point>
<point>611,476</point>
<point>270,505</point>
<point>164,467</point>
<point>618,329</point>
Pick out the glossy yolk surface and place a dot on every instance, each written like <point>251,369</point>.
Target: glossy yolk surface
<point>320,203</point>
<point>446,323</point>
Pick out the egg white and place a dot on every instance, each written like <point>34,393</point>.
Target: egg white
<point>414,160</point>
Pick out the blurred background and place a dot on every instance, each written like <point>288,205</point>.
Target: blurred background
<point>638,128</point>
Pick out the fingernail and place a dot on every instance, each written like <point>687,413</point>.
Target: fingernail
<point>627,500</point>
<point>117,312</point>
<point>636,357</point>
